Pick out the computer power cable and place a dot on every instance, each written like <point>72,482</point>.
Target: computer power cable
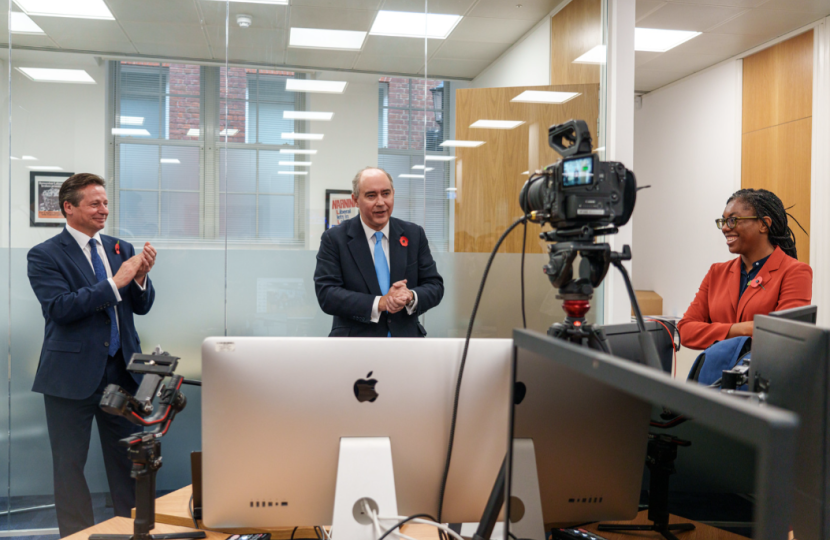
<point>422,521</point>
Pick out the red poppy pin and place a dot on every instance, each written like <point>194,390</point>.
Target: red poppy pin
<point>756,283</point>
<point>118,248</point>
<point>404,241</point>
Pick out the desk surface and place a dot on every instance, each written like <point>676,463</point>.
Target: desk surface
<point>172,510</point>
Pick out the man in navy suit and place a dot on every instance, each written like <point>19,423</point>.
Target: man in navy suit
<point>89,286</point>
<point>375,273</point>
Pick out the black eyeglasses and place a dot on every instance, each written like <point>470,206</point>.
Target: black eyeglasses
<point>731,221</point>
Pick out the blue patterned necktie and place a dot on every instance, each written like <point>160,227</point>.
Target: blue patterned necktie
<point>101,275</point>
<point>381,267</point>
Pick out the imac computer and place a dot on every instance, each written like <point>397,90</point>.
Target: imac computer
<point>805,314</point>
<point>791,366</point>
<point>624,393</point>
<point>625,344</point>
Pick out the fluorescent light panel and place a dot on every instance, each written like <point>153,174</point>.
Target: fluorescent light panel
<point>594,56</point>
<point>421,167</point>
<point>76,9</point>
<point>656,40</point>
<point>413,24</point>
<point>229,132</point>
<point>29,158</point>
<point>439,158</point>
<point>463,144</point>
<point>293,173</point>
<point>320,87</point>
<point>307,115</point>
<point>77,76</point>
<point>132,120</point>
<point>23,24</point>
<point>304,152</point>
<point>410,176</point>
<point>45,168</point>
<point>303,136</point>
<point>171,161</point>
<point>130,132</point>
<point>539,96</point>
<point>296,163</point>
<point>193,132</point>
<point>319,38</point>
<point>496,124</point>
<point>273,2</point>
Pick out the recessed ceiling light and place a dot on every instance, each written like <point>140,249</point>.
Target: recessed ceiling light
<point>463,144</point>
<point>496,124</point>
<point>22,24</point>
<point>13,158</point>
<point>421,167</point>
<point>539,96</point>
<point>171,161</point>
<point>78,76</point>
<point>306,115</point>
<point>410,176</point>
<point>296,163</point>
<point>303,136</point>
<point>413,24</point>
<point>656,40</point>
<point>45,168</point>
<point>526,172</point>
<point>193,132</point>
<point>304,152</point>
<point>439,158</point>
<point>322,87</point>
<point>132,120</point>
<point>594,56</point>
<point>229,132</point>
<point>77,9</point>
<point>293,173</point>
<point>130,132</point>
<point>319,38</point>
<point>274,2</point>
<point>29,158</point>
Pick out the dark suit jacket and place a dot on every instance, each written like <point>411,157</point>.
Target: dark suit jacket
<point>74,305</point>
<point>346,282</point>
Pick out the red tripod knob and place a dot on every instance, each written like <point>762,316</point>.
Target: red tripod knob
<point>576,309</point>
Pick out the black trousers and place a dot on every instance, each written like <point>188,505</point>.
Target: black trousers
<point>69,422</point>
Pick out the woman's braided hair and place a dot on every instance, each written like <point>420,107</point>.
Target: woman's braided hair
<point>767,204</point>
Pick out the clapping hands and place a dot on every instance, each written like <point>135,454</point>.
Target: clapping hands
<point>397,298</point>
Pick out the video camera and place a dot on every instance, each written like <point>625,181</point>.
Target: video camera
<point>579,189</point>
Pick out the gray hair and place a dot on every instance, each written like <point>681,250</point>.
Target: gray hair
<point>356,179</point>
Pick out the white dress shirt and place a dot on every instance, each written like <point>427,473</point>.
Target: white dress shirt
<point>384,242</point>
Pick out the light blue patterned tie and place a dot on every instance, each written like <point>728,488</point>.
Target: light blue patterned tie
<point>101,275</point>
<point>381,267</point>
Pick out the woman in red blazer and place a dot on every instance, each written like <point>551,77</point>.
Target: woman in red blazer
<point>765,277</point>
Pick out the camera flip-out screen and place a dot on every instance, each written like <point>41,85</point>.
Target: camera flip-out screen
<point>578,171</point>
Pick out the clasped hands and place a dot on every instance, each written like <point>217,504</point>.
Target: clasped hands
<point>397,298</point>
<point>136,267</point>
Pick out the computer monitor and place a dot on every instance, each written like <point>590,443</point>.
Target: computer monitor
<point>625,344</point>
<point>274,411</point>
<point>805,314</point>
<point>791,365</point>
<point>769,430</point>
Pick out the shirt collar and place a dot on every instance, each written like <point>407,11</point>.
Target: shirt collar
<point>756,265</point>
<point>370,232</point>
<point>82,238</point>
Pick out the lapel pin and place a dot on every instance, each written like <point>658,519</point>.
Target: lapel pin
<point>118,248</point>
<point>404,241</point>
<point>757,283</point>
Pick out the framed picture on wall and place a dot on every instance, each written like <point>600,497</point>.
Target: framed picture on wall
<point>339,207</point>
<point>44,208</point>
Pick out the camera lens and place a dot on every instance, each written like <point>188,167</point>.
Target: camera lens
<point>532,196</point>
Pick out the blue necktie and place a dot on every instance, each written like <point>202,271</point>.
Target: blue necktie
<point>101,275</point>
<point>381,267</point>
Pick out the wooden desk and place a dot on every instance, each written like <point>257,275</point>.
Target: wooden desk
<point>172,509</point>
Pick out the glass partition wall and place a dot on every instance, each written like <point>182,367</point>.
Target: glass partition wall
<point>229,133</point>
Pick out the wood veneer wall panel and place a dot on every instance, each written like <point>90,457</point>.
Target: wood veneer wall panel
<point>778,84</point>
<point>489,178</point>
<point>778,159</point>
<point>574,31</point>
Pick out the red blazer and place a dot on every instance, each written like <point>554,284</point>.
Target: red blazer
<point>785,283</point>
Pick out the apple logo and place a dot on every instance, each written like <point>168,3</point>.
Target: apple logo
<point>519,393</point>
<point>364,389</point>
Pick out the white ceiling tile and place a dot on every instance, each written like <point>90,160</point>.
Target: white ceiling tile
<point>389,64</point>
<point>728,3</point>
<point>821,7</point>
<point>173,34</point>
<point>646,80</point>
<point>532,10</point>
<point>647,7</point>
<point>263,15</point>
<point>767,23</point>
<point>60,28</point>
<point>492,30</point>
<point>399,46</point>
<point>447,7</point>
<point>672,61</point>
<point>470,50</point>
<point>179,11</point>
<point>320,59</point>
<point>452,68</point>
<point>83,43</point>
<point>29,40</point>
<point>246,37</point>
<point>347,4</point>
<point>727,44</point>
<point>688,17</point>
<point>256,55</point>
<point>332,18</point>
<point>200,52</point>
<point>641,57</point>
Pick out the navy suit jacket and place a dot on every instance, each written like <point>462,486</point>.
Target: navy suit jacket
<point>346,282</point>
<point>74,305</point>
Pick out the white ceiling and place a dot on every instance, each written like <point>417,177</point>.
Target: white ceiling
<point>729,27</point>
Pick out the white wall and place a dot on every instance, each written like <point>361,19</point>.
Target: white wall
<point>687,146</point>
<point>526,63</point>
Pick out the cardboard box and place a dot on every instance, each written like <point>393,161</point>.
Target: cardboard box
<point>650,302</point>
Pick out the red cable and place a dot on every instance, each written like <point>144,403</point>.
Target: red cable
<point>674,347</point>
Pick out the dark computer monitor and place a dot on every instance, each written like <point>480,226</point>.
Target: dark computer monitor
<point>790,363</point>
<point>625,344</point>
<point>805,314</point>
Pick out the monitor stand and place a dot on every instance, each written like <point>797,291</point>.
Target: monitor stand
<point>364,478</point>
<point>526,519</point>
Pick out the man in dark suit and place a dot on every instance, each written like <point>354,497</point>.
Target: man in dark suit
<point>89,286</point>
<point>375,274</point>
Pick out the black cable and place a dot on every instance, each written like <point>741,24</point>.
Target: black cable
<point>405,521</point>
<point>524,245</point>
<point>190,509</point>
<point>294,532</point>
<point>464,361</point>
<point>318,532</point>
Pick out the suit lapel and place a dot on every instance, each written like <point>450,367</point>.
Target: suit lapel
<point>359,248</point>
<point>733,287</point>
<point>114,259</point>
<point>770,266</point>
<point>397,253</point>
<point>74,252</point>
